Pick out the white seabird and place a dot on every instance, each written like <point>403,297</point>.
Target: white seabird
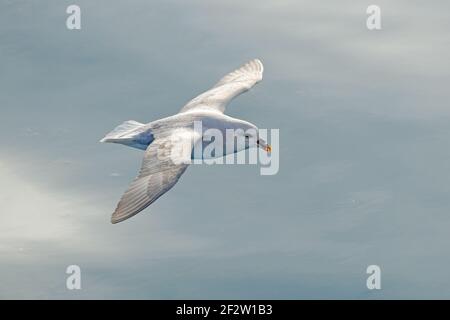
<point>160,171</point>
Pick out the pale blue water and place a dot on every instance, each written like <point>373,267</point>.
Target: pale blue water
<point>364,162</point>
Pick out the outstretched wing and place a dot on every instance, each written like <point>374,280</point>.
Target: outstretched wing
<point>165,160</point>
<point>229,87</point>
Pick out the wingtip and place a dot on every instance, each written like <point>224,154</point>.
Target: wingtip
<point>117,216</point>
<point>114,219</point>
<point>258,61</point>
<point>259,64</point>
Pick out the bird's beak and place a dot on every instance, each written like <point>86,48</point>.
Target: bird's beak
<point>265,146</point>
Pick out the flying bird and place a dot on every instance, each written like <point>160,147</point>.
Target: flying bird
<point>161,167</point>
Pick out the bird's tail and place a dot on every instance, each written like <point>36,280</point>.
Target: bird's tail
<point>125,131</point>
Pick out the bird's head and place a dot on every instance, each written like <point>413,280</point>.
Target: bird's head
<point>249,133</point>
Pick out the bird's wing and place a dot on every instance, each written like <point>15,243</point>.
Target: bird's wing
<point>165,160</point>
<point>229,87</point>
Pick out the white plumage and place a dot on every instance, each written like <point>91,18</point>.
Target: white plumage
<point>160,169</point>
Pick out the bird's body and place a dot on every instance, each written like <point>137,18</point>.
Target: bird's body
<point>142,135</point>
<point>161,167</point>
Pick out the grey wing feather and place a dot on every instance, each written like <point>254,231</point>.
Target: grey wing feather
<point>229,87</point>
<point>158,174</point>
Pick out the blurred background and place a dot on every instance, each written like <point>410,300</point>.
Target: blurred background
<point>364,150</point>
